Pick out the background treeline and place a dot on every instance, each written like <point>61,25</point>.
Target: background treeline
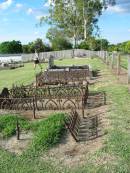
<point>122,47</point>
<point>57,42</point>
<point>12,47</point>
<point>61,43</point>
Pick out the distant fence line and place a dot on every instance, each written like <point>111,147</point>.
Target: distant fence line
<point>58,54</point>
<point>9,55</point>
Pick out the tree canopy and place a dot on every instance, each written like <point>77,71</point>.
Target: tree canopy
<point>77,18</point>
<point>11,47</point>
<point>94,44</point>
<point>122,47</point>
<point>38,45</point>
<point>58,39</point>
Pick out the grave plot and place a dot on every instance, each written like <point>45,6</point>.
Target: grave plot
<point>61,76</point>
<point>11,65</point>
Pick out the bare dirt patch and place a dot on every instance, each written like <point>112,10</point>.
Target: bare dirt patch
<point>69,153</point>
<point>16,146</point>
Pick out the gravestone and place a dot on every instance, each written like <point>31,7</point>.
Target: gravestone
<point>51,61</point>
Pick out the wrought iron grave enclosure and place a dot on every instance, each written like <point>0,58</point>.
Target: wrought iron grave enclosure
<point>62,76</point>
<point>45,98</point>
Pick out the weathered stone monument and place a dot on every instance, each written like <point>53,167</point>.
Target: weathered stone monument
<point>51,61</point>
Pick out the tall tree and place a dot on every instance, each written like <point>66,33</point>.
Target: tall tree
<point>94,44</point>
<point>127,47</point>
<point>78,18</point>
<point>58,39</point>
<point>38,45</point>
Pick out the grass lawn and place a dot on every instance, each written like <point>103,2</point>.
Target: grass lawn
<point>24,75</point>
<point>113,157</point>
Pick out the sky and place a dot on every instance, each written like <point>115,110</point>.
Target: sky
<point>19,20</point>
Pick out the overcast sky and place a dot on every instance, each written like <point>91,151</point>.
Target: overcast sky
<point>18,19</point>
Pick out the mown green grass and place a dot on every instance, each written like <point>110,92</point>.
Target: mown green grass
<point>25,75</point>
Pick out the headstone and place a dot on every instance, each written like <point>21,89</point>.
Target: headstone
<point>90,71</point>
<point>51,62</point>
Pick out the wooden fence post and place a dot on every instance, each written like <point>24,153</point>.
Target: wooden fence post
<point>112,61</point>
<point>106,56</point>
<point>118,64</point>
<point>129,70</point>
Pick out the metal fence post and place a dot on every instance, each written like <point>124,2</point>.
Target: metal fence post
<point>34,109</point>
<point>17,130</point>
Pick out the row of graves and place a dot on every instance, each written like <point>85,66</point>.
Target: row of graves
<point>62,88</point>
<point>11,65</point>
